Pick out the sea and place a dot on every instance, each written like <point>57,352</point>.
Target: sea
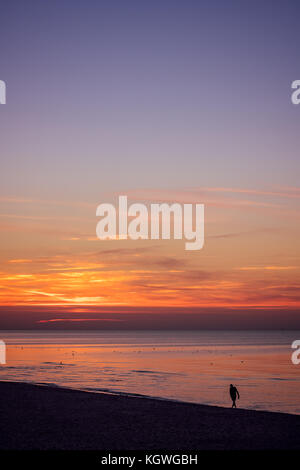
<point>190,366</point>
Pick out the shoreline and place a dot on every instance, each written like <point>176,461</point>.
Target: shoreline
<point>43,417</point>
<point>138,396</point>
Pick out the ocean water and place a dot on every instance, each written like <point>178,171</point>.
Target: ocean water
<point>193,366</point>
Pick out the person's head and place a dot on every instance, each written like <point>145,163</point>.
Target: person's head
<point>231,385</point>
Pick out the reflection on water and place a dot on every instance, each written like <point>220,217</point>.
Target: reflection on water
<point>190,366</point>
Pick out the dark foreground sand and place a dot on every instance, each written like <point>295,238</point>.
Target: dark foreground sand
<point>41,417</point>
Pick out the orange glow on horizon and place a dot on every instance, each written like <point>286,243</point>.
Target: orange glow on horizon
<point>244,263</point>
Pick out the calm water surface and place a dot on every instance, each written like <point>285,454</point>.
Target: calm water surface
<point>194,366</point>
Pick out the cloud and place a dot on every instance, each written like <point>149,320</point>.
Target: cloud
<point>32,201</point>
<point>286,192</point>
<point>193,196</point>
<point>56,320</point>
<point>267,268</point>
<point>20,261</point>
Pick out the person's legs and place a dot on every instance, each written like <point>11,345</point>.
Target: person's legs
<point>233,404</point>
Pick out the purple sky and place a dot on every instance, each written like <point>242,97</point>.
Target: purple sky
<point>162,93</point>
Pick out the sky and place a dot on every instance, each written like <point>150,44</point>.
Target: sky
<point>163,101</point>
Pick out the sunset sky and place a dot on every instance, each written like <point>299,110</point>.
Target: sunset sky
<point>172,101</point>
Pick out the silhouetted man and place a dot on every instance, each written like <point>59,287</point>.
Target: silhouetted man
<point>233,393</point>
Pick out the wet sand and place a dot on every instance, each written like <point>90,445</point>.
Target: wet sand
<point>49,418</point>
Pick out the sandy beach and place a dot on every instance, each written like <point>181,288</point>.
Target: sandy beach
<point>35,417</point>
